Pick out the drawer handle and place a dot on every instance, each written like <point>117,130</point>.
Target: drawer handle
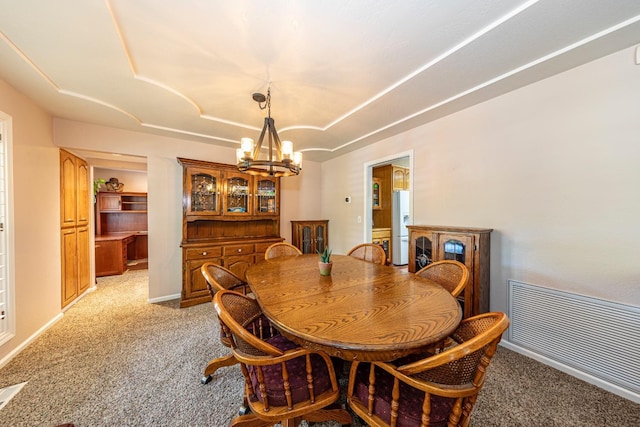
<point>204,253</point>
<point>239,250</point>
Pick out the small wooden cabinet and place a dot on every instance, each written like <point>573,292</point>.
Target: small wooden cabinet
<point>310,236</point>
<point>471,246</point>
<point>382,237</point>
<point>229,218</point>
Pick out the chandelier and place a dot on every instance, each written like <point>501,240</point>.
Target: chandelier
<point>281,160</point>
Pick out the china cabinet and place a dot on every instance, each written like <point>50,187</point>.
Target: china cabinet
<point>74,230</point>
<point>229,218</point>
<point>310,236</point>
<point>469,245</point>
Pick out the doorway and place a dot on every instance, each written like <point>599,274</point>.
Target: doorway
<point>389,204</point>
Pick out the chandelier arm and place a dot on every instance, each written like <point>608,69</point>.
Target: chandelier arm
<point>258,146</point>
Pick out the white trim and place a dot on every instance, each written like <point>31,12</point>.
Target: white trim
<point>9,330</point>
<point>163,299</point>
<point>627,394</point>
<point>29,340</point>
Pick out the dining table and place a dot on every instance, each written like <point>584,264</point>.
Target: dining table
<point>361,311</point>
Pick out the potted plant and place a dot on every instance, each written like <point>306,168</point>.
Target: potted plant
<point>325,264</point>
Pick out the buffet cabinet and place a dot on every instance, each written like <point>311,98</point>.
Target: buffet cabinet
<point>310,236</point>
<point>471,246</point>
<point>229,218</point>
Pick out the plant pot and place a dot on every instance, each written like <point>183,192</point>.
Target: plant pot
<point>325,268</point>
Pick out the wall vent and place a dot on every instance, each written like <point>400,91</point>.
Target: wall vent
<point>589,335</point>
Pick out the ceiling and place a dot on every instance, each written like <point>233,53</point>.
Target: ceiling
<point>342,73</point>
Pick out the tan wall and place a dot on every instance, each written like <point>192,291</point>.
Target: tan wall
<point>552,167</point>
<point>36,217</point>
<point>134,181</point>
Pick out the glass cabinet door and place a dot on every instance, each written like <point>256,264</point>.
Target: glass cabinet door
<point>457,248</point>
<point>320,243</point>
<point>238,194</point>
<point>307,240</point>
<point>424,253</point>
<point>203,194</point>
<point>376,199</point>
<point>266,196</point>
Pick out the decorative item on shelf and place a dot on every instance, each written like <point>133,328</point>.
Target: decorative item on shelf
<point>325,263</point>
<point>114,185</point>
<point>96,185</point>
<point>281,160</point>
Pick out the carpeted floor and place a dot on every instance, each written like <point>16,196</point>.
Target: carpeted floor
<point>115,360</point>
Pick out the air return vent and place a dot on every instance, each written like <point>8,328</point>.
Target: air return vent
<point>592,336</point>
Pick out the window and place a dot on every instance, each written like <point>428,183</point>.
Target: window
<point>7,324</point>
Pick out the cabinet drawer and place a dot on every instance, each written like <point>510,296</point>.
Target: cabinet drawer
<point>238,249</point>
<point>262,247</point>
<point>201,253</point>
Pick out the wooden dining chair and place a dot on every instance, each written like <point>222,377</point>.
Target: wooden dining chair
<point>281,249</point>
<point>369,252</point>
<point>450,274</point>
<point>438,390</point>
<point>284,383</point>
<point>218,279</point>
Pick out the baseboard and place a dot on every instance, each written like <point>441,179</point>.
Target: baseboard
<point>163,299</point>
<point>29,340</point>
<point>627,394</point>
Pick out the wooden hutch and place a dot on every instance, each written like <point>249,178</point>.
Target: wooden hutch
<point>229,218</point>
<point>471,246</point>
<point>121,232</point>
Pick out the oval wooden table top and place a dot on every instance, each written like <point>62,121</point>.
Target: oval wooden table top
<point>362,311</point>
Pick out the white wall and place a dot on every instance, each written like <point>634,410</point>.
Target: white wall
<point>36,189</point>
<point>299,195</point>
<point>553,168</point>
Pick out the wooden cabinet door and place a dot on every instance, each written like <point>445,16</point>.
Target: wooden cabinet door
<point>195,287</point>
<point>202,188</point>
<point>82,193</point>
<point>69,265</point>
<point>68,191</point>
<point>398,179</point>
<point>84,275</point>
<point>422,249</point>
<point>109,202</point>
<point>376,193</point>
<point>460,247</point>
<point>237,188</point>
<point>267,196</point>
<point>239,265</point>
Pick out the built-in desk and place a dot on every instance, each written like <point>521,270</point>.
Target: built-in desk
<point>115,250</point>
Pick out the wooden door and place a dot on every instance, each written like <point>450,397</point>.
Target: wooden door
<point>398,179</point>
<point>83,202</point>
<point>195,286</point>
<point>69,265</point>
<point>68,191</point>
<point>84,274</point>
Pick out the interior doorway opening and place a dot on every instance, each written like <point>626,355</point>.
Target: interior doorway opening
<point>389,204</point>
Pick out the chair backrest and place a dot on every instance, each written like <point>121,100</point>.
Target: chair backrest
<point>219,278</point>
<point>281,249</point>
<point>451,275</point>
<point>283,381</point>
<point>445,384</point>
<point>369,252</point>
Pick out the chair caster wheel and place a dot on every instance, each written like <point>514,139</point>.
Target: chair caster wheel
<point>244,410</point>
<point>205,380</point>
